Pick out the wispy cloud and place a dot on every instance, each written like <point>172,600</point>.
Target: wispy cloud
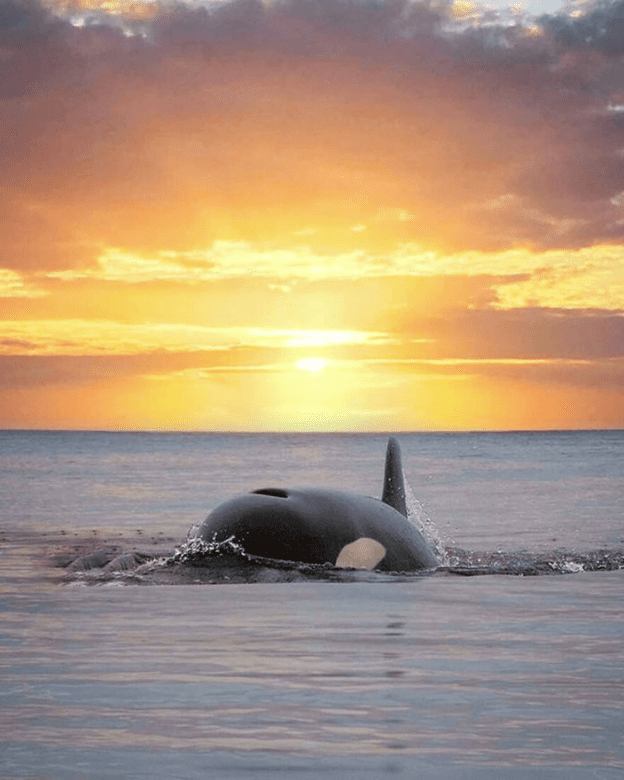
<point>15,285</point>
<point>555,278</point>
<point>101,337</point>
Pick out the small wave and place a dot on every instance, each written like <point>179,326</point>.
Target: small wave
<point>210,563</point>
<point>521,563</point>
<point>199,562</point>
<point>227,562</point>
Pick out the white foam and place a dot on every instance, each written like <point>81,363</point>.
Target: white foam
<point>424,525</point>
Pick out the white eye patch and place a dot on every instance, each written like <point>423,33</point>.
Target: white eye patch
<point>364,553</point>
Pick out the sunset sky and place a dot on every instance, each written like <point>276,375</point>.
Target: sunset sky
<point>311,215</point>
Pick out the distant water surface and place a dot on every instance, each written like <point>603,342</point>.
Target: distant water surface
<point>442,676</point>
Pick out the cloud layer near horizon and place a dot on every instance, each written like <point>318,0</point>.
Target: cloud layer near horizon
<point>447,178</point>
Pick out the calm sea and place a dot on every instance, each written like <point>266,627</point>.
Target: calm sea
<point>436,676</point>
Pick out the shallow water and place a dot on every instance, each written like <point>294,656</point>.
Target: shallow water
<point>431,676</point>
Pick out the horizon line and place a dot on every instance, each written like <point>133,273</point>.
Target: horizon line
<point>389,432</point>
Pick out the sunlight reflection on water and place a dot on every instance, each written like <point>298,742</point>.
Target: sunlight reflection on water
<point>421,670</point>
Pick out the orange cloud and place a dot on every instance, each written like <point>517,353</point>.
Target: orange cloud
<point>253,122</point>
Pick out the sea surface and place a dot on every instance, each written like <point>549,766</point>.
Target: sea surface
<point>507,662</point>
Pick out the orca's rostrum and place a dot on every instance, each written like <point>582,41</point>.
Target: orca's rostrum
<point>313,525</point>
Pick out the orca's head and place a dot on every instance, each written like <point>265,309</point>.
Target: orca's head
<point>293,525</point>
<point>270,522</point>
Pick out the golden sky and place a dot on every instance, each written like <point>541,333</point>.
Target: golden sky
<point>311,215</point>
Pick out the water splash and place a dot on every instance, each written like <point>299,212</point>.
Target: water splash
<point>196,550</point>
<point>421,521</point>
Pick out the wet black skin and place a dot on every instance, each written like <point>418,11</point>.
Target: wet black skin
<point>313,525</point>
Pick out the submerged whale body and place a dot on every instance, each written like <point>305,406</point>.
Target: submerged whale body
<point>312,525</point>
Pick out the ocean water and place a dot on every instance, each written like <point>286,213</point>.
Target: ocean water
<point>514,672</point>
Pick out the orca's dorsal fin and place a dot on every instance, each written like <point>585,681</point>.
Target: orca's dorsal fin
<point>394,487</point>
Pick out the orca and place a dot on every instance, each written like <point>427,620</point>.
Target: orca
<point>317,526</point>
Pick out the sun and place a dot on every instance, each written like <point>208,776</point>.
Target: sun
<point>313,364</point>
